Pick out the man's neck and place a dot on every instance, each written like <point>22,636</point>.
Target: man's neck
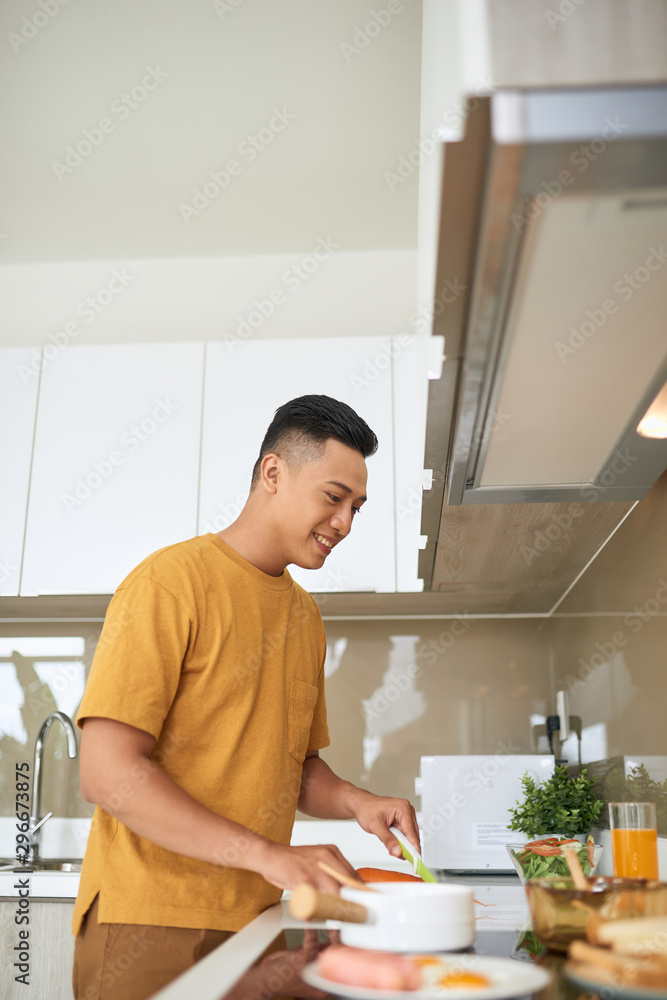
<point>252,544</point>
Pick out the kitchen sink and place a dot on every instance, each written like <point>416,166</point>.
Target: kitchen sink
<point>43,865</point>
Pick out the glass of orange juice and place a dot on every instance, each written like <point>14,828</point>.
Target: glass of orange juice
<point>634,839</point>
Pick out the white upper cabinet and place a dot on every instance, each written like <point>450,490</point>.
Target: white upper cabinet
<point>413,357</point>
<point>116,460</point>
<point>246,381</point>
<point>18,402</point>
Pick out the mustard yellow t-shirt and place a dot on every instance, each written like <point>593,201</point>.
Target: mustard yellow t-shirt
<point>224,666</point>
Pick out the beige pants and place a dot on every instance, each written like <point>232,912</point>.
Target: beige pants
<point>134,961</point>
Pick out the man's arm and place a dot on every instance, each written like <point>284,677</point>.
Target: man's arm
<point>326,796</point>
<point>117,773</point>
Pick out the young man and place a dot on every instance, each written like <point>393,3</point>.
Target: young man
<point>203,717</point>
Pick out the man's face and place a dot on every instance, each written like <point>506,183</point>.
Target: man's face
<point>318,502</point>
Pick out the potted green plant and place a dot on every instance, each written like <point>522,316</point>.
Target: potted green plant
<point>560,811</point>
<point>638,786</point>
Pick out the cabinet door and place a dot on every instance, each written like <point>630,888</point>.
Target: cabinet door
<point>245,383</point>
<point>116,460</point>
<point>18,402</point>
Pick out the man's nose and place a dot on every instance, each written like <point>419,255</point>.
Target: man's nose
<point>342,521</point>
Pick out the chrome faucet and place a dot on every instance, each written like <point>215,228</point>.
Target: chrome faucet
<point>36,820</point>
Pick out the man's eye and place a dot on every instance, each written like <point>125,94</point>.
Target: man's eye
<point>356,510</point>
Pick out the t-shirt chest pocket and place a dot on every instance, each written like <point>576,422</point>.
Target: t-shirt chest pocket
<point>302,701</point>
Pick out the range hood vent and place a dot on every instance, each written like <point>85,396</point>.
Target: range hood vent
<point>554,217</point>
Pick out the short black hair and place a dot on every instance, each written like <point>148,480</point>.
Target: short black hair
<point>301,428</point>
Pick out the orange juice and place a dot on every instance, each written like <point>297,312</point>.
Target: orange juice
<point>635,853</point>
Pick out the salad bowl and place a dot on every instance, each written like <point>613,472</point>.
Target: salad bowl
<point>546,858</point>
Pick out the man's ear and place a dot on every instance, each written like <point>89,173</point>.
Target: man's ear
<point>270,470</point>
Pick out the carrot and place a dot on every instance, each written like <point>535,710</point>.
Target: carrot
<point>382,875</point>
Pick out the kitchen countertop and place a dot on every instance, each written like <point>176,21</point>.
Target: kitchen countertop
<point>501,912</point>
<point>502,916</point>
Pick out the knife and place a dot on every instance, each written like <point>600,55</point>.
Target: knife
<point>413,857</point>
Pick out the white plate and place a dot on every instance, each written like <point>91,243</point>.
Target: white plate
<point>508,979</point>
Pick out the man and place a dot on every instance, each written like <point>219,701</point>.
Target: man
<point>203,717</point>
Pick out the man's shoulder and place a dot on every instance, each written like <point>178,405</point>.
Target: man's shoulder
<point>171,560</point>
<point>307,601</point>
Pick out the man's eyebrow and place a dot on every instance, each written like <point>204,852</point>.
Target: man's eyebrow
<point>342,486</point>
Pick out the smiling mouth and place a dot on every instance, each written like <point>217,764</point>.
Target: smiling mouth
<point>323,542</point>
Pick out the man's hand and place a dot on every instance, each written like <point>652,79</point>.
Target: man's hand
<point>288,867</point>
<point>376,813</point>
<point>326,796</point>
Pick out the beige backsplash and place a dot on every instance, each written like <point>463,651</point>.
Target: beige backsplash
<point>401,689</point>
<point>397,689</point>
<point>609,637</point>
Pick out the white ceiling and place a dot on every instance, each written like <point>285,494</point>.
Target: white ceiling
<point>228,65</point>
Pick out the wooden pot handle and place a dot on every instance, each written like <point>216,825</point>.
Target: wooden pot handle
<point>307,903</point>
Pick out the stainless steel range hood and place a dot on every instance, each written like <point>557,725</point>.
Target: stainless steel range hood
<point>554,217</point>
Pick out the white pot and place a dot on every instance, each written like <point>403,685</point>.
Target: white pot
<point>411,916</point>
